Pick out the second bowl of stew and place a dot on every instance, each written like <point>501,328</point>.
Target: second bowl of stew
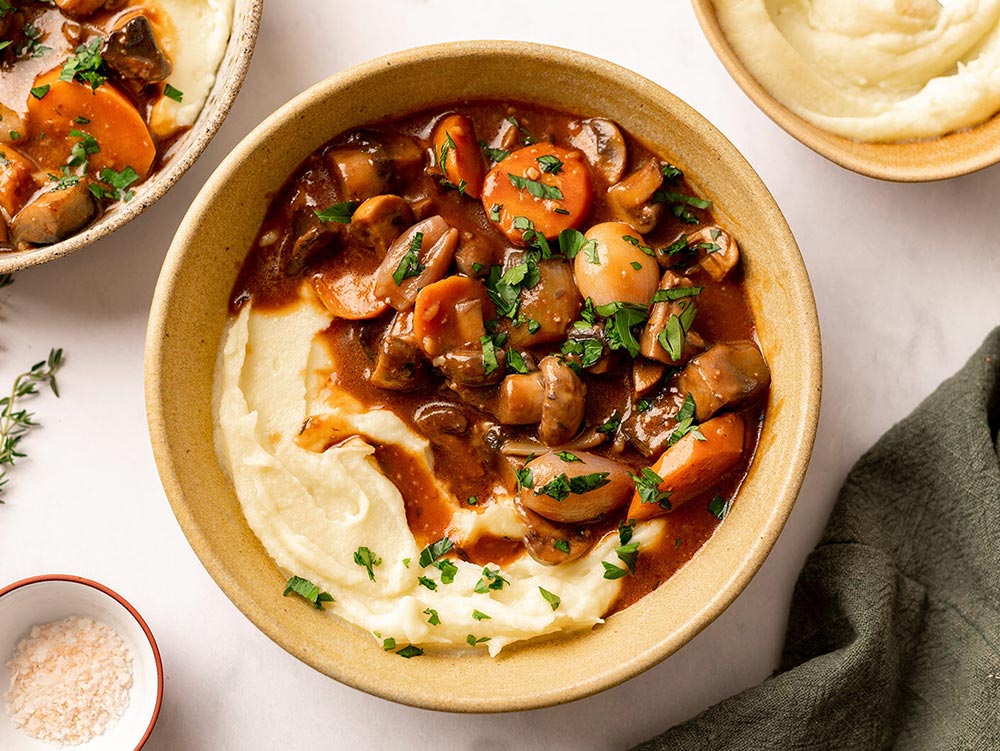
<point>501,373</point>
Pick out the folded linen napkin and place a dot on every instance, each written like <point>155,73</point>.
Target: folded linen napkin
<point>894,633</point>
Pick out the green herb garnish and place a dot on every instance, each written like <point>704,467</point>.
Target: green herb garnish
<point>368,560</point>
<point>338,212</point>
<point>648,483</point>
<point>410,265</point>
<point>308,591</point>
<point>85,65</point>
<point>171,93</point>
<point>550,598</point>
<point>536,188</point>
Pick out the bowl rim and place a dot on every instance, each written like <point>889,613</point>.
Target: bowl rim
<point>162,181</point>
<point>42,578</point>
<point>831,146</point>
<point>170,469</point>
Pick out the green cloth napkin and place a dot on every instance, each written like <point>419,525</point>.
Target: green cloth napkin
<point>894,632</point>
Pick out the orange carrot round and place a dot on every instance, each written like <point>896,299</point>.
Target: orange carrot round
<point>106,114</point>
<point>455,138</point>
<point>544,185</point>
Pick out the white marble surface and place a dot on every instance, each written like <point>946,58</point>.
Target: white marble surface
<point>906,278</point>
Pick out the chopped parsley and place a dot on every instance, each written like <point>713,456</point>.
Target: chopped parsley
<point>505,289</point>
<point>611,425</point>
<point>633,240</point>
<point>572,241</point>
<point>338,212</point>
<point>550,598</point>
<point>79,155</point>
<point>562,546</point>
<point>472,500</point>
<point>426,582</point>
<point>685,422</point>
<point>677,293</point>
<point>719,507</point>
<point>307,591</point>
<point>39,92</point>
<point>628,554</point>
<point>490,363</point>
<point>536,188</point>
<point>549,163</point>
<point>494,155</point>
<point>588,350</point>
<point>647,483</point>
<point>531,236</point>
<point>14,135</point>
<point>524,478</point>
<point>448,571</point>
<point>410,651</point>
<point>472,641</point>
<point>561,486</point>
<point>621,318</point>
<point>368,560</point>
<point>118,182</point>
<point>32,47</point>
<point>491,579</point>
<point>675,332</point>
<point>410,265</point>
<point>611,571</point>
<point>171,93</point>
<point>625,531</point>
<point>85,65</point>
<point>434,619</point>
<point>568,456</point>
<point>481,616</point>
<point>533,326</point>
<point>526,136</point>
<point>406,562</point>
<point>434,551</point>
<point>679,204</point>
<point>515,362</point>
<point>494,212</point>
<point>643,405</point>
<point>389,644</point>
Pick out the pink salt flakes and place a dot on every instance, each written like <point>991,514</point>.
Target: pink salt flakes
<point>69,680</point>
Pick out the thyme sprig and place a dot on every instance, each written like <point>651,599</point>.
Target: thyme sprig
<point>15,422</point>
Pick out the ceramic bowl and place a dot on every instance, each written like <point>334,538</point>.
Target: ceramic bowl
<point>190,310</point>
<point>232,70</point>
<point>941,158</point>
<point>43,599</point>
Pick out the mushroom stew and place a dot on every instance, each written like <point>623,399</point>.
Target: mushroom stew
<point>550,304</point>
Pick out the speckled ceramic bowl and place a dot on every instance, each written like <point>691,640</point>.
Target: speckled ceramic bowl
<point>232,70</point>
<point>190,311</point>
<point>43,599</point>
<point>917,161</point>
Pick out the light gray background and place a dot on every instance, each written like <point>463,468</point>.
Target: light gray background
<point>906,278</point>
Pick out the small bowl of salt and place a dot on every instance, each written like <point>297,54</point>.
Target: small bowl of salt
<point>79,668</point>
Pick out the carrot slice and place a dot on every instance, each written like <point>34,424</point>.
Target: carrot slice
<point>455,138</point>
<point>691,466</point>
<point>106,114</point>
<point>449,314</point>
<point>546,185</point>
<point>346,287</point>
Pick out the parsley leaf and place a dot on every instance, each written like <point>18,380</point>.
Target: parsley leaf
<point>677,293</point>
<point>338,212</point>
<point>427,582</point>
<point>118,182</point>
<point>308,591</point>
<point>568,456</point>
<point>647,483</point>
<point>494,155</point>
<point>410,651</point>
<point>481,616</point>
<point>448,571</point>
<point>536,188</point>
<point>85,65</point>
<point>549,163</point>
<point>368,560</point>
<point>611,571</point>
<point>524,478</point>
<point>472,641</point>
<point>628,554</point>
<point>561,486</point>
<point>562,545</point>
<point>389,644</point>
<point>550,598</point>
<point>491,579</point>
<point>526,137</point>
<point>515,361</point>
<point>625,531</point>
<point>675,332</point>
<point>611,425</point>
<point>685,422</point>
<point>434,551</point>
<point>572,241</point>
<point>587,350</point>
<point>39,92</point>
<point>719,507</point>
<point>171,93</point>
<point>434,619</point>
<point>621,318</point>
<point>410,265</point>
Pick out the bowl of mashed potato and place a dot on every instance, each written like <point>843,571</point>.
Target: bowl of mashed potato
<point>296,490</point>
<point>902,90</point>
<point>104,104</point>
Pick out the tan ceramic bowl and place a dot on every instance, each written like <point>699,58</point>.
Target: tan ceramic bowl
<point>232,70</point>
<point>189,313</point>
<point>916,161</point>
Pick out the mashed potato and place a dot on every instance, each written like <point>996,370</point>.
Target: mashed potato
<point>873,70</point>
<point>312,510</point>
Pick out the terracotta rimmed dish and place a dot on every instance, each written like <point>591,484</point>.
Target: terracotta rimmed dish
<point>190,311</point>
<point>232,71</point>
<point>42,599</point>
<point>940,158</point>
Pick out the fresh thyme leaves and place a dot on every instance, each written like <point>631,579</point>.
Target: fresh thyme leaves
<point>647,483</point>
<point>561,486</point>
<point>549,163</point>
<point>368,560</point>
<point>719,507</point>
<point>338,212</point>
<point>307,591</point>
<point>550,598</point>
<point>15,423</point>
<point>675,332</point>
<point>494,155</point>
<point>535,188</point>
<point>434,551</point>
<point>118,182</point>
<point>410,265</point>
<point>491,579</point>
<point>685,422</point>
<point>171,93</point>
<point>85,65</point>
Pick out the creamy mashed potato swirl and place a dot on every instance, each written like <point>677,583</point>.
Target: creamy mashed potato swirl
<point>873,70</point>
<point>313,510</point>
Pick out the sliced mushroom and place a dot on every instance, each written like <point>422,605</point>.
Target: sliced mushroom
<point>400,363</point>
<point>54,216</point>
<point>441,417</point>
<point>631,199</point>
<point>475,255</point>
<point>553,303</point>
<point>368,167</point>
<point>521,399</point>
<point>574,492</point>
<point>414,263</point>
<point>468,367</point>
<point>718,251</point>
<point>379,221</point>
<point>646,374</point>
<point>649,431</point>
<point>551,544</point>
<point>79,9</point>
<point>17,181</point>
<point>604,146</point>
<point>564,404</point>
<point>650,344</point>
<point>583,345</point>
<point>723,376</point>
<point>131,50</point>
